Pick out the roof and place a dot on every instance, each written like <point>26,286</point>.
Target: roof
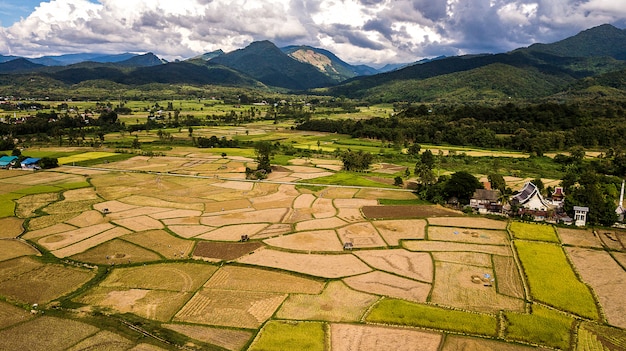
<point>30,161</point>
<point>485,194</point>
<point>5,160</point>
<point>581,208</point>
<point>526,193</point>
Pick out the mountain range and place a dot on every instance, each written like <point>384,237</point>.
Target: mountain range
<point>540,70</point>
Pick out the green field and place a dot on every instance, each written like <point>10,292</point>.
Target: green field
<point>543,326</point>
<point>92,155</point>
<point>552,279</point>
<point>411,314</point>
<point>536,232</point>
<point>279,336</point>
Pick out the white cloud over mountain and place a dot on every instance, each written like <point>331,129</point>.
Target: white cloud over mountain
<point>358,31</point>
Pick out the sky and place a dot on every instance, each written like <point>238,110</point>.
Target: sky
<point>372,32</point>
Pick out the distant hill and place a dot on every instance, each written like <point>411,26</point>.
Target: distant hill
<point>265,62</point>
<point>556,60</point>
<point>327,63</point>
<point>208,56</point>
<point>145,60</point>
<point>18,65</point>
<point>604,40</point>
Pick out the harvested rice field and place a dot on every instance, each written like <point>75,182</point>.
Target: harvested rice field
<point>217,263</point>
<point>371,338</point>
<point>337,303</point>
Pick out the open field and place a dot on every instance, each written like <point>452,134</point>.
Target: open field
<point>578,237</point>
<point>277,336</point>
<point>465,235</point>
<point>606,278</point>
<point>531,231</point>
<point>11,227</point>
<point>256,279</point>
<point>415,211</point>
<point>10,249</point>
<point>543,325</point>
<point>337,303</point>
<point>393,231</point>
<point>371,338</point>
<point>52,334</point>
<point>468,222</point>
<point>229,339</point>
<point>385,284</point>
<point>413,265</point>
<point>552,279</point>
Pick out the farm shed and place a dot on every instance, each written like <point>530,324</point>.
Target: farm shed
<point>5,161</point>
<point>30,163</point>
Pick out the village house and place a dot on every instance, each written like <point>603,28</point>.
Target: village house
<point>531,203</point>
<point>486,201</point>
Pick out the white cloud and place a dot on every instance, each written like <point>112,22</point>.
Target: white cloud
<point>358,31</point>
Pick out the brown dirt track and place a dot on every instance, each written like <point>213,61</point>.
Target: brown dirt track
<point>419,211</point>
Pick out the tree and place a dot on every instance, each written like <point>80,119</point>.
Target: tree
<point>414,149</point>
<point>48,162</point>
<point>356,161</point>
<point>263,151</point>
<point>136,143</point>
<point>497,182</point>
<point>462,185</point>
<point>428,159</point>
<point>397,181</point>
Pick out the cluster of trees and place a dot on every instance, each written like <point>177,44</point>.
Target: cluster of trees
<point>214,141</point>
<point>356,160</point>
<point>533,128</point>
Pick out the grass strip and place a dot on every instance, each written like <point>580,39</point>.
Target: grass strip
<point>417,315</point>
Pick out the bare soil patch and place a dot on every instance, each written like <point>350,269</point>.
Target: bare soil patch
<point>414,265</point>
<point>189,231</point>
<point>350,215</point>
<point>468,222</point>
<point>113,206</point>
<point>338,193</point>
<point>90,242</point>
<point>376,194</point>
<point>54,229</point>
<point>606,278</point>
<point>323,208</point>
<point>239,309</point>
<point>467,235</point>
<point>337,303</point>
<point>317,240</point>
<point>579,237</point>
<point>274,215</point>
<point>212,208</point>
<point>139,223</point>
<point>393,231</point>
<point>234,232</point>
<point>470,288</point>
<point>10,249</point>
<point>57,241</point>
<point>229,339</point>
<point>415,211</point>
<point>256,279</point>
<point>11,227</point>
<point>386,284</point>
<point>468,258</point>
<point>345,337</point>
<point>325,266</point>
<point>614,239</point>
<point>438,246</point>
<point>115,252</point>
<point>224,251</point>
<point>361,235</point>
<point>178,214</point>
<point>508,279</point>
<point>149,201</point>
<point>304,201</point>
<point>354,203</point>
<point>162,242</point>
<point>316,224</point>
<point>86,219</point>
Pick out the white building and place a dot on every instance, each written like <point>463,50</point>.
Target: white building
<point>530,198</point>
<point>580,215</point>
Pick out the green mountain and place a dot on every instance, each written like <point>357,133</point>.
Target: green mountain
<point>268,64</point>
<point>552,68</point>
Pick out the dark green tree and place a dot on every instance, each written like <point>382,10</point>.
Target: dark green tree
<point>461,185</point>
<point>263,151</point>
<point>497,182</point>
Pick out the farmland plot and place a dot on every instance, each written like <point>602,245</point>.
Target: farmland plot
<point>468,222</point>
<point>279,336</point>
<point>40,283</point>
<point>160,305</point>
<point>52,334</point>
<point>593,337</point>
<point>57,241</point>
<point>345,337</point>
<point>11,227</point>
<point>90,242</point>
<point>337,303</point>
<point>393,231</point>
<point>183,277</point>
<point>224,251</point>
<point>606,278</point>
<point>361,235</point>
<point>229,308</point>
<point>509,281</point>
<point>317,241</point>
<point>386,284</point>
<point>234,232</point>
<point>470,288</point>
<point>256,279</point>
<point>456,342</point>
<point>87,218</point>
<point>472,236</point>
<point>579,237</point>
<point>325,266</point>
<point>468,258</point>
<point>162,242</point>
<point>103,340</point>
<point>413,265</point>
<point>10,249</point>
<point>229,339</point>
<point>11,315</point>
<point>443,246</point>
<point>115,252</point>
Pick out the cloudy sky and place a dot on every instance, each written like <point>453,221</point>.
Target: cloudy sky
<point>358,31</point>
